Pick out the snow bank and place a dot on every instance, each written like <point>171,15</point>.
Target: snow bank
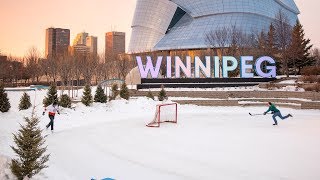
<point>5,172</point>
<point>111,140</point>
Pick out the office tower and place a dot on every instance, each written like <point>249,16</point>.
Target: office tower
<point>57,41</point>
<point>115,44</point>
<point>92,44</point>
<point>81,38</point>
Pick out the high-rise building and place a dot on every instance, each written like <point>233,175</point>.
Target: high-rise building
<point>115,44</point>
<point>81,38</point>
<point>181,24</point>
<point>92,44</point>
<point>79,49</point>
<point>84,44</point>
<point>57,41</point>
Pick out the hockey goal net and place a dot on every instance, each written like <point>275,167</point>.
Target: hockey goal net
<point>164,113</point>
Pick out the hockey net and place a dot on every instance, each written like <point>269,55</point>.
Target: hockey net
<point>164,113</point>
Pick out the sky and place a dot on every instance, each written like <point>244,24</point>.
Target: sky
<point>23,22</point>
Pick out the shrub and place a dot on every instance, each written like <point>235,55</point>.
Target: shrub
<point>124,92</point>
<point>100,96</point>
<point>4,101</point>
<point>87,97</point>
<point>24,102</point>
<point>162,94</point>
<point>51,96</point>
<point>271,86</point>
<point>150,95</point>
<point>115,91</point>
<point>309,79</point>
<point>310,71</point>
<point>65,101</point>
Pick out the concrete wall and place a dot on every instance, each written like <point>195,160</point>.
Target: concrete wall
<point>236,94</point>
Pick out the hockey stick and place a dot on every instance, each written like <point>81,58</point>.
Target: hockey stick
<point>257,114</point>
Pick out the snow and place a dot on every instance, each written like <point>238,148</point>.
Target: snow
<point>239,99</point>
<point>249,88</point>
<point>262,103</point>
<point>111,140</point>
<point>292,81</point>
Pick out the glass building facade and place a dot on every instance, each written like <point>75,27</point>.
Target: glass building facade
<point>183,24</point>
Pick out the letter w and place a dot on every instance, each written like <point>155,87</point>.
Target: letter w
<point>144,70</point>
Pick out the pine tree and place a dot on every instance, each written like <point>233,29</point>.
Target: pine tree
<point>271,49</point>
<point>115,91</point>
<point>300,49</point>
<point>150,95</point>
<point>29,148</point>
<point>124,92</point>
<point>87,97</point>
<point>24,102</point>
<point>4,101</point>
<point>100,96</point>
<point>162,94</point>
<point>51,96</point>
<point>65,101</point>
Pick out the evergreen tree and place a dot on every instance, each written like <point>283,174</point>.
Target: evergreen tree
<point>24,102</point>
<point>162,94</point>
<point>115,91</point>
<point>124,92</point>
<point>65,101</point>
<point>4,101</point>
<point>100,96</point>
<point>271,47</point>
<point>29,148</point>
<point>150,95</point>
<point>52,96</point>
<point>300,49</point>
<point>87,97</point>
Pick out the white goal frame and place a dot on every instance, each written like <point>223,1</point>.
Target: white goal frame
<point>157,116</point>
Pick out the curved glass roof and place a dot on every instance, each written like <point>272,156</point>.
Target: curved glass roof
<point>183,24</point>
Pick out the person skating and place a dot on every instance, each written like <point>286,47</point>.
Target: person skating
<point>276,113</point>
<point>53,109</point>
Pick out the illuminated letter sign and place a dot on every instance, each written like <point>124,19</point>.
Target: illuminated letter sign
<point>229,64</point>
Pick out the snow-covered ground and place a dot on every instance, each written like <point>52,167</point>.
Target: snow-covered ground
<point>249,88</point>
<point>292,81</point>
<point>225,143</point>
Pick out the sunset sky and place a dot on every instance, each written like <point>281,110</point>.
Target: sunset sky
<point>23,23</point>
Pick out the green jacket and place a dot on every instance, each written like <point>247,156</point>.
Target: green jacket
<point>273,109</point>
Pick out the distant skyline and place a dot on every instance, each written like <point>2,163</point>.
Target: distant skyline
<point>23,23</point>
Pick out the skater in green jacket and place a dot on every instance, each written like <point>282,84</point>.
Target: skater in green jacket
<point>276,113</point>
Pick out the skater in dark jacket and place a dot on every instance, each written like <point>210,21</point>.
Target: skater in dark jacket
<point>276,113</point>
<point>53,109</point>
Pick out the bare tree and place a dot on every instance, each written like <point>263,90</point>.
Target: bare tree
<point>218,39</point>
<point>65,68</point>
<point>52,68</point>
<point>33,67</point>
<point>283,37</point>
<point>76,71</point>
<point>100,72</point>
<point>124,66</point>
<point>88,64</point>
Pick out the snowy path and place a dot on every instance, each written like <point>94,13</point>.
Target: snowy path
<point>208,143</point>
